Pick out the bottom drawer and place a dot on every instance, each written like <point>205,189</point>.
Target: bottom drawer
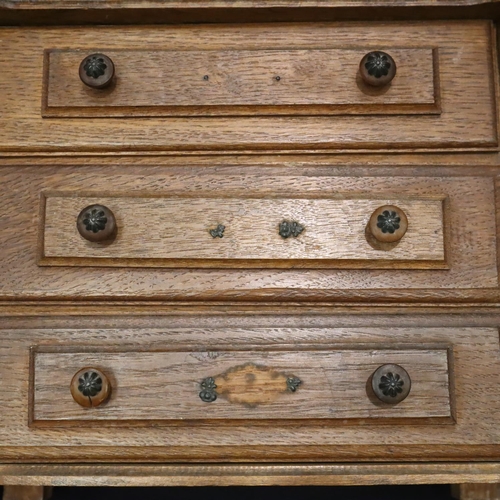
<point>235,385</point>
<point>250,387</point>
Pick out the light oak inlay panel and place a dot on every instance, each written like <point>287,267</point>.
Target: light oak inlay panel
<point>251,385</point>
<point>174,232</point>
<point>240,82</point>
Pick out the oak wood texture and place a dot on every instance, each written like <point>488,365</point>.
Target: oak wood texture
<point>249,474</point>
<point>473,491</point>
<point>13,492</point>
<point>240,82</point>
<point>399,10</point>
<point>165,386</point>
<point>465,73</point>
<point>474,358</point>
<point>470,235</point>
<point>298,312</point>
<point>173,231</point>
<point>191,4</point>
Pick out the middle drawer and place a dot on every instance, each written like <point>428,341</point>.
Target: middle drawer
<point>331,230</point>
<point>201,233</point>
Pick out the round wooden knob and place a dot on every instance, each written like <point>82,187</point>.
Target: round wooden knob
<point>391,383</point>
<point>377,68</point>
<point>96,223</point>
<point>388,224</point>
<point>97,71</point>
<point>90,387</point>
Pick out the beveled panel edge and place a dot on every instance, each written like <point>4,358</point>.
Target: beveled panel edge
<point>23,12</point>
<point>190,4</point>
<point>366,109</point>
<point>248,474</point>
<point>226,422</point>
<point>209,263</point>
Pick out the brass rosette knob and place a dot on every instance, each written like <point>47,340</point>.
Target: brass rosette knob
<point>377,68</point>
<point>96,71</point>
<point>391,383</point>
<point>96,223</point>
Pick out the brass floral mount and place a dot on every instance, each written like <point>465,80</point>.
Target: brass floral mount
<point>207,392</point>
<point>218,232</point>
<point>289,228</point>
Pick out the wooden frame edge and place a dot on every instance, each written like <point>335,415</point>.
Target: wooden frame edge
<point>250,474</point>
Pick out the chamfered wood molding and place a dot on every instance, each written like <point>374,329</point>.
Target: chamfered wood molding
<point>245,474</point>
<point>193,4</point>
<point>156,12</point>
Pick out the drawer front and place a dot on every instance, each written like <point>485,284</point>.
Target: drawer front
<point>237,385</point>
<point>244,232</point>
<point>248,387</point>
<point>252,87</point>
<point>240,82</point>
<point>164,219</point>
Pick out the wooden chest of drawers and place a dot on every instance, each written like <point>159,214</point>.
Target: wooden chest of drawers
<point>250,253</point>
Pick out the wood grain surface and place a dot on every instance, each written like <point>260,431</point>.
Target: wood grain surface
<point>471,491</point>
<point>175,232</point>
<point>474,381</point>
<point>240,82</point>
<point>470,234</point>
<point>250,474</point>
<point>190,4</point>
<point>466,77</point>
<point>165,386</point>
<point>285,317</point>
<point>12,492</point>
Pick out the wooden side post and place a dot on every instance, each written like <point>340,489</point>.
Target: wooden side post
<point>476,491</point>
<point>27,492</point>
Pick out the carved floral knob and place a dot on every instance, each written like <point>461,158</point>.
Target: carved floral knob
<point>96,223</point>
<point>388,224</point>
<point>90,387</point>
<point>97,71</point>
<point>391,383</point>
<point>377,68</point>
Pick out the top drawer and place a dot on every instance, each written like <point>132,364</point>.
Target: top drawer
<point>266,87</point>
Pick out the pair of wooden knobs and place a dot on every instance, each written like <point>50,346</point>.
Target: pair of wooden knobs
<point>376,69</point>
<point>90,387</point>
<point>388,224</point>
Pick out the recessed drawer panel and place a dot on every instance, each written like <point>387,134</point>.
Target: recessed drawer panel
<point>247,233</point>
<point>244,231</point>
<point>240,384</point>
<point>274,385</point>
<point>253,87</point>
<point>239,82</point>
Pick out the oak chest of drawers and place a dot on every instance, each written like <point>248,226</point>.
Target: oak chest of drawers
<point>249,252</point>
